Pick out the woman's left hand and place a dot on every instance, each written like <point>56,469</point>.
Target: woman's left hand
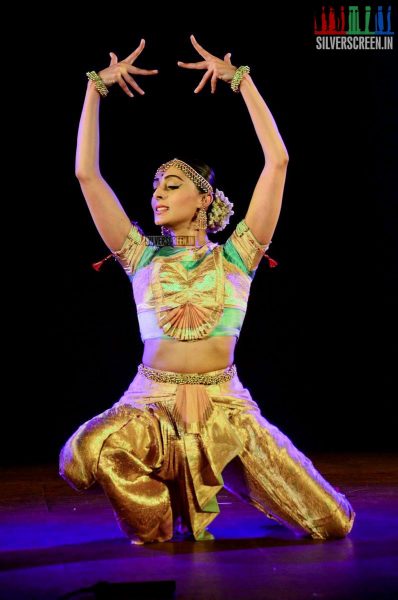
<point>216,67</point>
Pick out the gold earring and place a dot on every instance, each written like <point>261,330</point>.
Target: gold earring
<point>201,220</point>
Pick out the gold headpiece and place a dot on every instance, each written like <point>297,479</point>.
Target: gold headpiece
<point>193,175</point>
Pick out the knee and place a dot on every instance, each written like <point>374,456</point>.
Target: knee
<point>79,457</point>
<point>119,433</point>
<point>77,460</point>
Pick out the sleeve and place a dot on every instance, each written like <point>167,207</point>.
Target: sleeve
<point>243,249</point>
<point>136,247</point>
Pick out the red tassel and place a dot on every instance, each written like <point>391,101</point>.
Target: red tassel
<point>272,263</point>
<point>97,266</point>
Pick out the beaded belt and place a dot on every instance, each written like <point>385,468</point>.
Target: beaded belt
<point>187,378</point>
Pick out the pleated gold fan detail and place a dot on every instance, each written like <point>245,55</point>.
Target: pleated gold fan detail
<point>189,302</point>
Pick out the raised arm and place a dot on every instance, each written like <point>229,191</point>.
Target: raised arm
<point>265,205</point>
<point>109,216</point>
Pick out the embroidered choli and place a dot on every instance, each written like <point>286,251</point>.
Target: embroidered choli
<point>190,295</point>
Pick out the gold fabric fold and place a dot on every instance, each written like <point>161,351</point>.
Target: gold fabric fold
<point>192,407</point>
<point>189,302</point>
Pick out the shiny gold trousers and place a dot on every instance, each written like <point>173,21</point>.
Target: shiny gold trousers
<point>162,469</point>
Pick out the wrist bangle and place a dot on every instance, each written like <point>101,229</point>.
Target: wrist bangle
<point>237,78</point>
<point>98,82</point>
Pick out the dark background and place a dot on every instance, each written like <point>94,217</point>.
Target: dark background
<point>318,346</point>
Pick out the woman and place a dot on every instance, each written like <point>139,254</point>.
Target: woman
<point>186,423</point>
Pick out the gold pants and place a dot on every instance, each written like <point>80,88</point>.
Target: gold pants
<point>161,453</point>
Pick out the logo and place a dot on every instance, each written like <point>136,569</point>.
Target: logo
<point>171,240</point>
<point>353,28</point>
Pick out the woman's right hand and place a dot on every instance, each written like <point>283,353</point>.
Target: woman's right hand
<point>120,72</point>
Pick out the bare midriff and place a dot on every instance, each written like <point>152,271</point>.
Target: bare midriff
<point>198,356</point>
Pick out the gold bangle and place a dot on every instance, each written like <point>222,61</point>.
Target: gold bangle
<point>98,82</point>
<point>237,78</point>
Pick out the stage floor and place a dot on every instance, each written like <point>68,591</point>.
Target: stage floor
<point>55,541</point>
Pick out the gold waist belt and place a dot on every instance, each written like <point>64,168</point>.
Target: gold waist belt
<point>210,378</point>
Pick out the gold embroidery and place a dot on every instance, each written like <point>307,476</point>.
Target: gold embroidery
<point>189,302</point>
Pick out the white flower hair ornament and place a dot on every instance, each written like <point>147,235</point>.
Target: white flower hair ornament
<point>219,212</point>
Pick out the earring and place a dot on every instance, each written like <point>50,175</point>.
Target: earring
<point>201,220</point>
<point>165,231</point>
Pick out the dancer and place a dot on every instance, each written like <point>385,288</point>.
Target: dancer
<point>186,426</point>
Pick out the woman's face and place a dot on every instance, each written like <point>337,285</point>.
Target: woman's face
<point>175,199</point>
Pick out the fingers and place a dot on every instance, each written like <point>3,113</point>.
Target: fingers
<point>202,83</point>
<point>197,65</point>
<point>124,87</point>
<point>124,68</point>
<point>227,58</point>
<point>133,83</point>
<point>147,71</point>
<point>136,52</point>
<point>199,48</point>
<point>136,71</point>
<point>213,83</point>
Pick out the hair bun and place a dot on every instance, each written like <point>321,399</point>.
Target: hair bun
<point>219,212</point>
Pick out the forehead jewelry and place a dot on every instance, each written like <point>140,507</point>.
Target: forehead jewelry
<point>193,175</point>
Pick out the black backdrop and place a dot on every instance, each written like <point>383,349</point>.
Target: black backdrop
<point>317,346</point>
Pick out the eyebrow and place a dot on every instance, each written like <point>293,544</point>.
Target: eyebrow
<point>167,177</point>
